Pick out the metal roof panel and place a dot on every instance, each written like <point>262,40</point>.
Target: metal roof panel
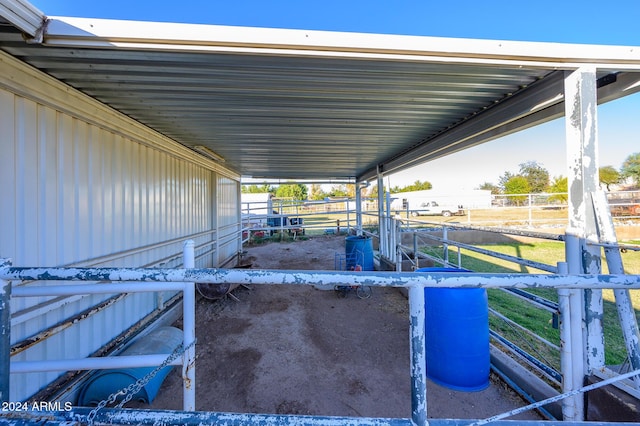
<point>293,104</point>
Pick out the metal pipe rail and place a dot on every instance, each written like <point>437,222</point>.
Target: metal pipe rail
<point>493,229</point>
<point>188,359</point>
<point>531,263</point>
<point>306,277</point>
<point>414,282</point>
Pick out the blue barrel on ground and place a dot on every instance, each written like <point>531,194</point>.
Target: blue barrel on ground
<point>359,251</point>
<point>102,384</point>
<point>457,335</point>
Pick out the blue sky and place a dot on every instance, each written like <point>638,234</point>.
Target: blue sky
<point>566,21</point>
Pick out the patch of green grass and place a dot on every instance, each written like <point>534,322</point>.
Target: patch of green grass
<point>537,320</point>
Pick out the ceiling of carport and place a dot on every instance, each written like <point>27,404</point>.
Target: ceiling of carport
<point>340,106</point>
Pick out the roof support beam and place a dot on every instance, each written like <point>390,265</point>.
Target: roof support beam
<point>539,96</point>
<point>24,16</point>
<point>539,103</point>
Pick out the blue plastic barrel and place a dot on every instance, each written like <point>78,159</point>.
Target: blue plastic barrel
<point>105,382</point>
<point>359,251</point>
<point>457,335</point>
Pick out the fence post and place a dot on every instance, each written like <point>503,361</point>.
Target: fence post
<point>418,356</point>
<point>189,330</point>
<point>445,246</point>
<point>5,336</point>
<point>576,325</point>
<point>570,404</point>
<point>416,258</point>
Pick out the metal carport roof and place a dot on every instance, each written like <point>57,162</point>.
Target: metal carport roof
<point>294,104</point>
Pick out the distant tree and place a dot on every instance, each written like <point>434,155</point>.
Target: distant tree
<point>536,175</point>
<point>351,190</point>
<point>371,191</point>
<point>317,193</point>
<point>502,180</point>
<point>609,176</point>
<point>560,188</point>
<point>339,191</point>
<point>417,186</point>
<point>296,191</point>
<point>488,186</point>
<point>517,185</point>
<point>631,168</point>
<point>257,189</point>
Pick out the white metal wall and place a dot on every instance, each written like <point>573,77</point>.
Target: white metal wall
<point>81,184</point>
<point>228,200</point>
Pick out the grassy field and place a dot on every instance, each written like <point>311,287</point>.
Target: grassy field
<point>541,321</point>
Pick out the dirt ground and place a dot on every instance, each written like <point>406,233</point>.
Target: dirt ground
<point>302,350</point>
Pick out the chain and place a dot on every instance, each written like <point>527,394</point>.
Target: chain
<point>134,388</point>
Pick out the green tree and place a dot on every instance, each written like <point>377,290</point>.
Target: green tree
<point>317,193</point>
<point>256,189</point>
<point>608,175</point>
<point>488,186</point>
<point>517,185</point>
<point>296,191</point>
<point>631,168</point>
<point>560,188</point>
<point>536,175</point>
<point>502,180</point>
<point>418,185</point>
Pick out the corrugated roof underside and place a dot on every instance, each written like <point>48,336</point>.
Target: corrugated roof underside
<point>281,116</point>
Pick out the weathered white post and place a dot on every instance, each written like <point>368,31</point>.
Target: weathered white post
<point>582,148</point>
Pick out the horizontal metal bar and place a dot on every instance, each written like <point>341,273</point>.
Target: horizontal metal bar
<point>526,330</point>
<point>627,385</point>
<point>533,299</point>
<point>514,259</point>
<point>72,289</point>
<point>506,231</point>
<point>614,246</point>
<point>119,255</point>
<point>129,416</point>
<point>581,390</point>
<point>54,329</point>
<point>306,277</point>
<point>551,372</point>
<point>125,361</point>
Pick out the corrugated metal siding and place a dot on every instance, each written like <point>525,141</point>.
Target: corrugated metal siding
<point>228,225</point>
<point>74,191</point>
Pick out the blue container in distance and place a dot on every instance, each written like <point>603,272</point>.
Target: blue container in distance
<point>105,382</point>
<point>457,335</point>
<point>359,251</point>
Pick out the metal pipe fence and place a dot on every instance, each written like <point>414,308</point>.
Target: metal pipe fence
<point>135,277</point>
<point>11,291</point>
<point>515,342</point>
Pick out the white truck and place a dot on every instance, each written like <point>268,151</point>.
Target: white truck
<point>426,207</point>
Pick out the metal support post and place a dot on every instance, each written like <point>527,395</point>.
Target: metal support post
<point>416,258</point>
<point>358,209</point>
<point>573,378</point>
<point>569,405</point>
<point>418,356</point>
<point>389,228</point>
<point>5,336</point>
<point>189,330</point>
<point>381,222</point>
<point>626,312</point>
<point>582,172</point>
<point>445,246</point>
